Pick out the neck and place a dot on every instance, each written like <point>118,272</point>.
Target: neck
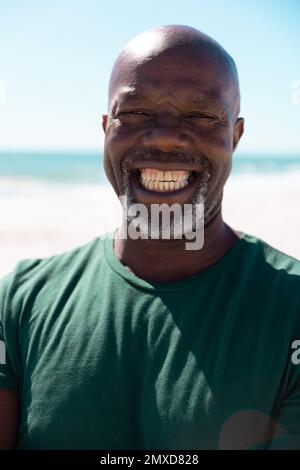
<point>168,260</point>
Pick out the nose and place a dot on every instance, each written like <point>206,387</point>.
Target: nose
<point>165,135</point>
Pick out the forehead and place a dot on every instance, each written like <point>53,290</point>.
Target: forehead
<point>180,75</point>
<point>179,91</point>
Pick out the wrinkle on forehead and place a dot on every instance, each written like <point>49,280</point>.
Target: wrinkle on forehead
<point>131,95</point>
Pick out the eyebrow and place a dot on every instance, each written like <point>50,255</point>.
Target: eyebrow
<point>142,93</point>
<point>214,99</point>
<point>130,94</point>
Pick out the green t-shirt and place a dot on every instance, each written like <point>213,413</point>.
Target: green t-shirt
<point>105,360</point>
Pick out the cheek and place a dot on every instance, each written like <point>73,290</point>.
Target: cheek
<point>111,162</point>
<point>218,149</point>
<point>219,152</point>
<point>221,166</point>
<point>219,140</point>
<point>116,144</point>
<point>118,134</point>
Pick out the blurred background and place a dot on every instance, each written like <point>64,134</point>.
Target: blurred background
<point>55,61</point>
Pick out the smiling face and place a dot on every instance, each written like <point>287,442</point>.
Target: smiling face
<point>172,123</point>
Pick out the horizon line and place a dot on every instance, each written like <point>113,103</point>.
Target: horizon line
<point>100,151</point>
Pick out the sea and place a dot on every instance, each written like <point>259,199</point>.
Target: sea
<point>53,201</point>
<point>72,168</point>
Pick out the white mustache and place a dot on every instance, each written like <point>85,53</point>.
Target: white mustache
<point>175,157</point>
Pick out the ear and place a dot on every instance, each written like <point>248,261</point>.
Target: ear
<point>104,122</point>
<point>238,130</point>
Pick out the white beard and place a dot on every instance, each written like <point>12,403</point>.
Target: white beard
<point>177,229</point>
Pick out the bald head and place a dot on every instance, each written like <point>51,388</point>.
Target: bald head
<point>164,42</point>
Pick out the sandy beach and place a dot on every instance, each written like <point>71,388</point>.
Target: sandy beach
<point>39,219</point>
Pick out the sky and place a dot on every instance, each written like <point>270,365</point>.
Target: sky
<point>56,57</point>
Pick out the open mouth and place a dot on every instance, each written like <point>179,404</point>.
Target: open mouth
<point>163,181</point>
<point>158,182</point>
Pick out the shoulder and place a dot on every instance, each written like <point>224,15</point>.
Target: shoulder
<point>266,253</point>
<point>28,269</point>
<point>270,265</point>
<point>31,277</point>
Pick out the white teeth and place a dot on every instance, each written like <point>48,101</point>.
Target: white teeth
<point>163,181</point>
<point>164,186</point>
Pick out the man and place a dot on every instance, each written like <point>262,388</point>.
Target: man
<point>138,342</point>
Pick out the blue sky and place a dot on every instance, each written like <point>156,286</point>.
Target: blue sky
<point>56,57</point>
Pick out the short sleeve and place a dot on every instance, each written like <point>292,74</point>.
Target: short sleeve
<point>8,378</point>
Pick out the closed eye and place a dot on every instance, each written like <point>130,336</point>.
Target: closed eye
<point>200,116</point>
<point>135,112</point>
